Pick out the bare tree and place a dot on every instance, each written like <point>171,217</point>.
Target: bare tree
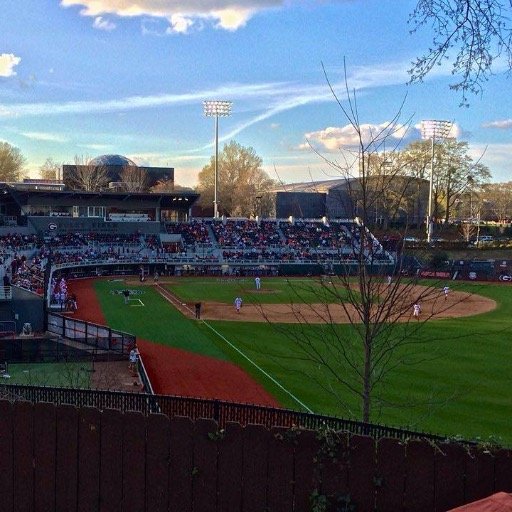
<point>165,185</point>
<point>87,175</point>
<point>134,179</point>
<point>499,199</point>
<point>368,287</point>
<point>50,170</point>
<point>474,33</point>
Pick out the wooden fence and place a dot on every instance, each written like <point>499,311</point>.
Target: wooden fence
<point>67,459</point>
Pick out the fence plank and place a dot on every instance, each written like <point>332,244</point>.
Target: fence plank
<point>307,477</point>
<point>503,471</point>
<point>89,428</point>
<point>181,464</point>
<point>6,458</point>
<point>111,456</point>
<point>134,462</point>
<point>449,460</point>
<point>255,460</point>
<point>157,463</point>
<point>204,488</point>
<point>66,471</point>
<point>390,475</point>
<point>230,469</point>
<point>334,458</point>
<point>280,469</point>
<point>362,471</point>
<point>23,456</point>
<point>45,449</point>
<point>479,475</point>
<point>420,470</point>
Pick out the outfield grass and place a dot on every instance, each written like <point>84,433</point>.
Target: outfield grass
<point>461,386</point>
<point>155,321</point>
<point>273,290</point>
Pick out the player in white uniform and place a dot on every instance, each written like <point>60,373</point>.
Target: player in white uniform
<point>416,310</point>
<point>446,291</point>
<point>238,304</point>
<point>257,282</point>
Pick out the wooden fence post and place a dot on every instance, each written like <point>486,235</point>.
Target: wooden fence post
<point>6,459</point>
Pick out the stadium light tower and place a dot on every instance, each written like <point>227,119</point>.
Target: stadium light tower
<point>433,130</point>
<point>216,108</point>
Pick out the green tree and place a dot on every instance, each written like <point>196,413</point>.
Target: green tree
<point>241,181</point>
<point>454,170</point>
<point>12,163</point>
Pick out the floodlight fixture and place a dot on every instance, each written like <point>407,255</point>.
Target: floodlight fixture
<point>433,130</point>
<point>216,109</point>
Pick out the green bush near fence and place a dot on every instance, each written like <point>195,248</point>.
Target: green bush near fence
<point>69,375</point>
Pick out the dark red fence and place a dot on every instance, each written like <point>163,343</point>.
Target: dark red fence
<point>221,411</point>
<point>62,458</point>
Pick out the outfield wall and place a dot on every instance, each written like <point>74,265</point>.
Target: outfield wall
<point>69,459</point>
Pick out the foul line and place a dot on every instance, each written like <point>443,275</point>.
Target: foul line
<point>163,293</point>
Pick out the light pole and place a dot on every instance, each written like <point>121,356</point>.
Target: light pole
<point>433,130</point>
<point>216,108</point>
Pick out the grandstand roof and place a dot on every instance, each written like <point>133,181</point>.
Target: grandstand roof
<point>183,199</point>
<point>113,160</point>
<point>311,186</point>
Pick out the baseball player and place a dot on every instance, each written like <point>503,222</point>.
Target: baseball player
<point>238,304</point>
<point>416,310</point>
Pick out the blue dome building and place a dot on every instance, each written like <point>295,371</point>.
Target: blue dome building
<point>114,166</point>
<point>112,160</point>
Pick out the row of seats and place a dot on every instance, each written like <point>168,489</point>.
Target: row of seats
<point>244,234</point>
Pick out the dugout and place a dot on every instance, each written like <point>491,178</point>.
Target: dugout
<point>23,307</point>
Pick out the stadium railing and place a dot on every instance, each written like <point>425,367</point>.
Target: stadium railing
<point>98,336</point>
<point>222,412</point>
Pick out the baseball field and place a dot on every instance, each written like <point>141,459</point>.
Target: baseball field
<point>456,382</point>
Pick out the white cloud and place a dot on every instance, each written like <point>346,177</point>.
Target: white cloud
<point>101,23</point>
<point>44,136</point>
<point>7,63</point>
<point>335,138</point>
<point>96,147</point>
<point>275,97</point>
<point>496,156</point>
<point>181,14</point>
<point>179,24</point>
<point>500,124</point>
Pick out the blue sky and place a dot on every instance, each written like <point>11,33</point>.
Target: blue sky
<point>89,77</point>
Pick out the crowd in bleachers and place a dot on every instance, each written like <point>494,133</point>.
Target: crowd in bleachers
<point>315,235</point>
<point>17,241</point>
<point>230,241</point>
<point>27,274</point>
<point>193,232</point>
<point>246,233</point>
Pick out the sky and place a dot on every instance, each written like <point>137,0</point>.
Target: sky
<point>92,77</point>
